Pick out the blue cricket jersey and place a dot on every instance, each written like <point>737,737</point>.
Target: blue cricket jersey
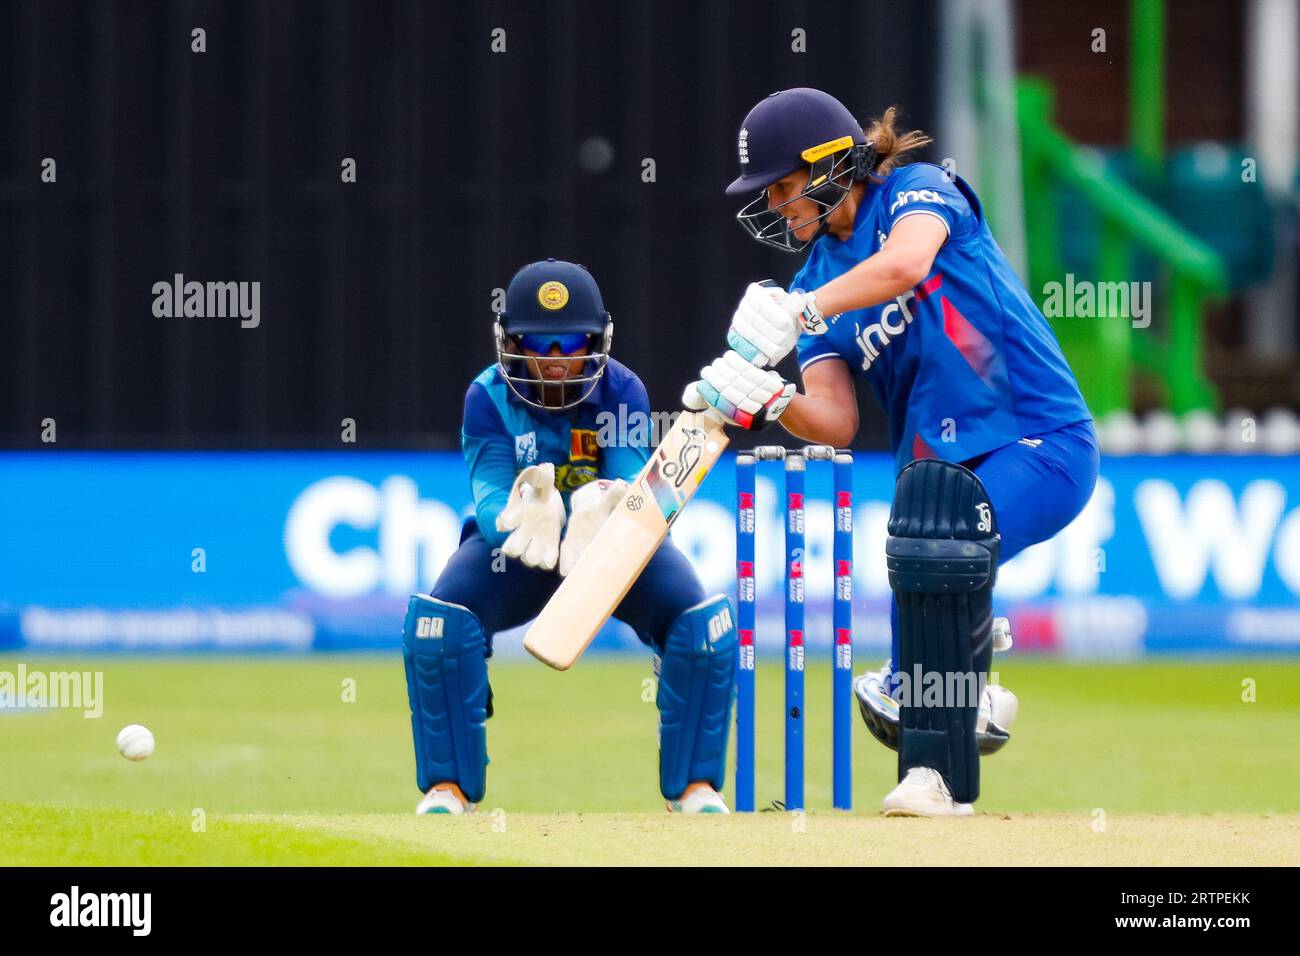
<point>605,436</point>
<point>965,362</point>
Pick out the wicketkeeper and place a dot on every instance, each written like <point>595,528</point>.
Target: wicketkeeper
<point>543,483</point>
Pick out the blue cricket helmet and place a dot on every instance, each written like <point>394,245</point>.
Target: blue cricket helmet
<point>551,303</point>
<point>801,128</point>
<point>553,296</point>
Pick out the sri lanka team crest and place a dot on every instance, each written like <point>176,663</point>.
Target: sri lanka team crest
<point>553,295</point>
<point>584,453</point>
<point>584,445</point>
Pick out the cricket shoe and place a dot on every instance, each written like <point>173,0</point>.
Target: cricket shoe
<point>699,797</point>
<point>445,798</point>
<point>923,793</point>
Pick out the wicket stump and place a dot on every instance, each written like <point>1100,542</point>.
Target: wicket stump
<point>842,622</point>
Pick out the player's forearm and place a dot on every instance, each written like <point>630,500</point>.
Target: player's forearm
<point>485,514</point>
<point>820,421</point>
<point>879,278</point>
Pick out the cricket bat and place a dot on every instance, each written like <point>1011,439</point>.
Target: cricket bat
<point>627,540</point>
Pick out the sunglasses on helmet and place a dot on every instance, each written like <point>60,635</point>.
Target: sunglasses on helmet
<point>541,343</point>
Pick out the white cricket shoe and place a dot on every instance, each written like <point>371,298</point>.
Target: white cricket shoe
<point>699,797</point>
<point>924,793</point>
<point>444,798</point>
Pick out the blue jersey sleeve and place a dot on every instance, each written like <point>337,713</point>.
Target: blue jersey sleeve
<point>810,349</point>
<point>490,453</point>
<point>923,189</point>
<point>626,457</point>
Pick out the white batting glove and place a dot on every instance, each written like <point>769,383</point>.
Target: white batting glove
<point>534,515</point>
<point>762,331</point>
<point>768,322</point>
<point>589,506</point>
<point>751,397</point>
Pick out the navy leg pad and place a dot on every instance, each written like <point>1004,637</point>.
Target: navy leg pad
<point>445,653</point>
<point>942,555</point>
<point>695,684</point>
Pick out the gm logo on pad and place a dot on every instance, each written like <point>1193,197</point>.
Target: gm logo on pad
<point>719,624</point>
<point>429,626</point>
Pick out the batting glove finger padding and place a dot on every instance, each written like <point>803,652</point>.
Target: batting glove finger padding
<point>749,396</point>
<point>763,328</point>
<point>692,399</point>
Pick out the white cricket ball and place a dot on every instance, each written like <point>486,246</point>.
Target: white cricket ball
<point>135,741</point>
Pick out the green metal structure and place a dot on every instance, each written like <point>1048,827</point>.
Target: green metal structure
<point>1106,351</point>
<point>1147,87</point>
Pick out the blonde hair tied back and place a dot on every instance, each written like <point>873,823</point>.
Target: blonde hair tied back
<point>891,145</point>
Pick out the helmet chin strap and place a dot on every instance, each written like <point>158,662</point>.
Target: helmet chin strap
<point>825,228</point>
<point>828,209</point>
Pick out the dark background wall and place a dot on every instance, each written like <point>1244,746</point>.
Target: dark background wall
<point>1204,67</point>
<point>376,297</point>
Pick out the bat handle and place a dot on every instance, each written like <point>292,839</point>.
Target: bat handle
<point>716,416</point>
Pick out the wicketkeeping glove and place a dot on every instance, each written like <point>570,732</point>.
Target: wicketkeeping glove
<point>589,506</point>
<point>534,515</point>
<point>751,397</point>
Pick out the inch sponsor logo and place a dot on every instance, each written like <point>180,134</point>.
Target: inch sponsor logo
<point>894,320</point>
<point>915,195</point>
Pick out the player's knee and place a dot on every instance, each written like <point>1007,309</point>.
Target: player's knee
<point>708,629</point>
<point>943,535</point>
<point>436,627</point>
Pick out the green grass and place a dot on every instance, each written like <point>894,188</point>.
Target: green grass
<point>50,836</point>
<point>274,738</point>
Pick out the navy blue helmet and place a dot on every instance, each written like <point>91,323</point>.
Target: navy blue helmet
<point>797,129</point>
<point>553,309</point>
